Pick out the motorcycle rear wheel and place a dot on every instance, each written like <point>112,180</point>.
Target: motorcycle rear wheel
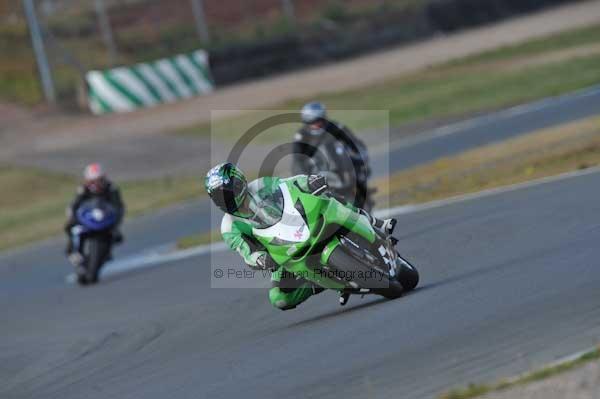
<point>81,279</point>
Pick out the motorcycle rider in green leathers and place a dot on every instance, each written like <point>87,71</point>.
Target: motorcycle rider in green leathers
<point>258,204</point>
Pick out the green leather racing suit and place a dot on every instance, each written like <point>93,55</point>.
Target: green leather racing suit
<point>266,203</point>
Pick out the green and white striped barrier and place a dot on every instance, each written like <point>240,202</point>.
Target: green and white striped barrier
<point>147,84</point>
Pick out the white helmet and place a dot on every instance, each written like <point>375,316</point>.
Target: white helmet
<point>312,112</point>
<point>95,178</point>
<point>93,171</point>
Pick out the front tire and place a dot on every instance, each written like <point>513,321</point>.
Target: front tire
<point>341,260</point>
<point>407,274</point>
<point>98,250</point>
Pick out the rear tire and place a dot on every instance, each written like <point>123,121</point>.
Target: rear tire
<point>81,279</point>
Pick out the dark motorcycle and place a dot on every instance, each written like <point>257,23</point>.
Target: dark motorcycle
<point>93,238</point>
<point>347,173</point>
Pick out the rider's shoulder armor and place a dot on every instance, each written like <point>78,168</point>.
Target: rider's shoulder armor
<point>242,224</point>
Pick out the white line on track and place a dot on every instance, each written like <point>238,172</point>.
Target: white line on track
<point>144,261</point>
<point>138,262</point>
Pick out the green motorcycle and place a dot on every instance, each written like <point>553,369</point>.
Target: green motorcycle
<point>321,240</point>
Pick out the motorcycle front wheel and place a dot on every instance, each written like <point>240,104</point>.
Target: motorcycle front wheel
<point>407,275</point>
<point>97,251</point>
<point>344,261</point>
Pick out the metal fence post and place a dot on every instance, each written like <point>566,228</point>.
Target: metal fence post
<point>200,18</point>
<point>106,31</point>
<point>288,10</point>
<point>40,51</point>
<point>48,7</point>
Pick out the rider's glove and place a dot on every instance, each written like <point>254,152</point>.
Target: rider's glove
<point>265,262</point>
<point>317,184</point>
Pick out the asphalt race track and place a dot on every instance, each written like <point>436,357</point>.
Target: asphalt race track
<point>509,282</point>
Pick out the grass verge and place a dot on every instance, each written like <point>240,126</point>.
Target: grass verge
<point>195,240</point>
<point>33,202</point>
<point>489,80</point>
<point>477,390</point>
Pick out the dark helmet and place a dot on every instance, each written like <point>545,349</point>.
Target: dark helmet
<point>227,186</point>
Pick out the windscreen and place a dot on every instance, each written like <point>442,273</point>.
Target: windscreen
<point>267,207</point>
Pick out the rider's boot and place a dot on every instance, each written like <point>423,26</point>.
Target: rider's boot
<point>316,289</point>
<point>69,247</point>
<point>76,259</point>
<point>386,226</point>
<point>344,296</point>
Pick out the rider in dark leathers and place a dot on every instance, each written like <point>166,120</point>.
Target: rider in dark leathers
<point>326,147</point>
<point>96,185</point>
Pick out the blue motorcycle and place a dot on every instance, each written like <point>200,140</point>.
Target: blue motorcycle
<point>93,237</point>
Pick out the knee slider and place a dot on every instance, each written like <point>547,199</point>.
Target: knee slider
<point>277,299</point>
